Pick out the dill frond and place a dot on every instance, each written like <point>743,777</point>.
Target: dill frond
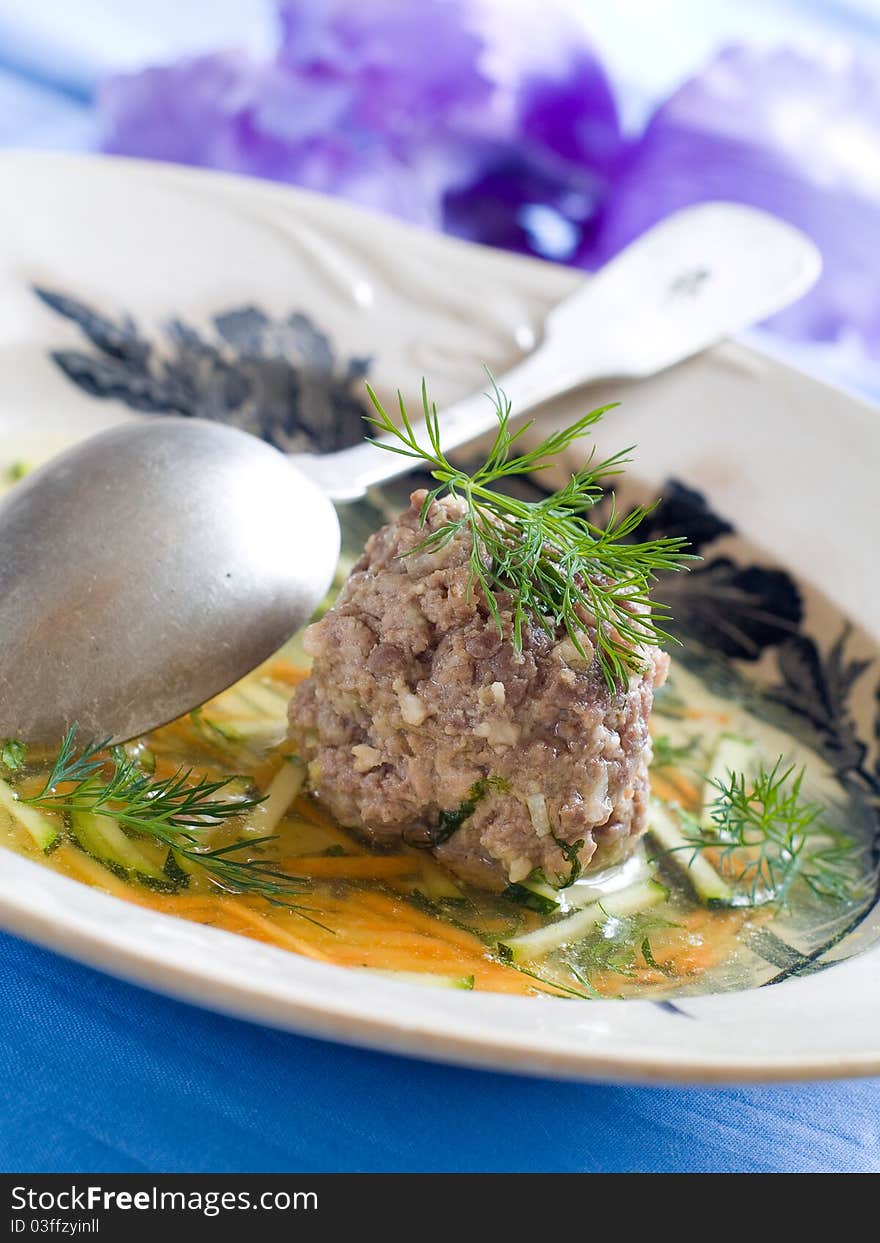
<point>769,836</point>
<point>176,811</point>
<point>559,568</point>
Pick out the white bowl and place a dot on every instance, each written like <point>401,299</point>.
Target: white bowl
<point>789,463</point>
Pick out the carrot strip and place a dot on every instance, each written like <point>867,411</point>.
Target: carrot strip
<point>419,944</point>
<point>185,903</point>
<point>355,867</point>
<point>183,731</point>
<point>307,810</point>
<point>396,960</point>
<point>271,931</point>
<point>667,789</point>
<point>700,714</point>
<point>399,910</point>
<point>421,947</point>
<point>284,671</point>
<point>688,790</point>
<point>397,925</point>
<point>83,867</point>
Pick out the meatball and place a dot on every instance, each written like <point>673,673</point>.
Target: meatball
<point>421,721</point>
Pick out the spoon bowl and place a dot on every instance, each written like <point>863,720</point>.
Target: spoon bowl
<point>149,568</point>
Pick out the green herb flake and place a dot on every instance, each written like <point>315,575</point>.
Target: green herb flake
<point>13,753</point>
<point>571,854</point>
<point>614,947</point>
<point>538,902</point>
<point>451,821</point>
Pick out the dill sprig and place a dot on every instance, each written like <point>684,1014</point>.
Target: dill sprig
<point>556,566</point>
<point>768,836</point>
<point>175,811</point>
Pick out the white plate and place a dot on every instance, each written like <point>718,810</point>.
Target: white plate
<point>791,464</point>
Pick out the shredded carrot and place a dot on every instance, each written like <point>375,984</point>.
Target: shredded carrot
<point>284,671</point>
<point>674,787</point>
<point>84,868</point>
<point>699,940</point>
<point>369,929</point>
<point>182,731</point>
<point>267,930</point>
<point>397,909</point>
<point>350,867</point>
<point>184,904</point>
<point>701,714</point>
<point>307,809</point>
<point>371,923</point>
<point>690,793</point>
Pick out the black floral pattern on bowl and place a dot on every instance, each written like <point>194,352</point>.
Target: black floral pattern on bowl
<point>277,378</point>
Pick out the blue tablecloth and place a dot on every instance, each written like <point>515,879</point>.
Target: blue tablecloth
<point>98,1076</point>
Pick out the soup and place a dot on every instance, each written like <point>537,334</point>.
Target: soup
<point>639,930</point>
<point>756,861</point>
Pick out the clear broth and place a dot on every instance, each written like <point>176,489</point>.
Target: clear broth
<point>401,912</point>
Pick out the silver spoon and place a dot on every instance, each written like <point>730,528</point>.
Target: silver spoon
<point>151,566</point>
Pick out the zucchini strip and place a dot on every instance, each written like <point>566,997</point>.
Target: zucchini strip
<point>425,977</point>
<point>709,886</point>
<point>533,945</point>
<point>102,837</point>
<point>240,729</point>
<point>283,789</point>
<point>42,829</point>
<point>733,754</point>
<point>256,697</point>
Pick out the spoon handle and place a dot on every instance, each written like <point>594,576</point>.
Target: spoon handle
<point>697,276</point>
<point>347,474</point>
